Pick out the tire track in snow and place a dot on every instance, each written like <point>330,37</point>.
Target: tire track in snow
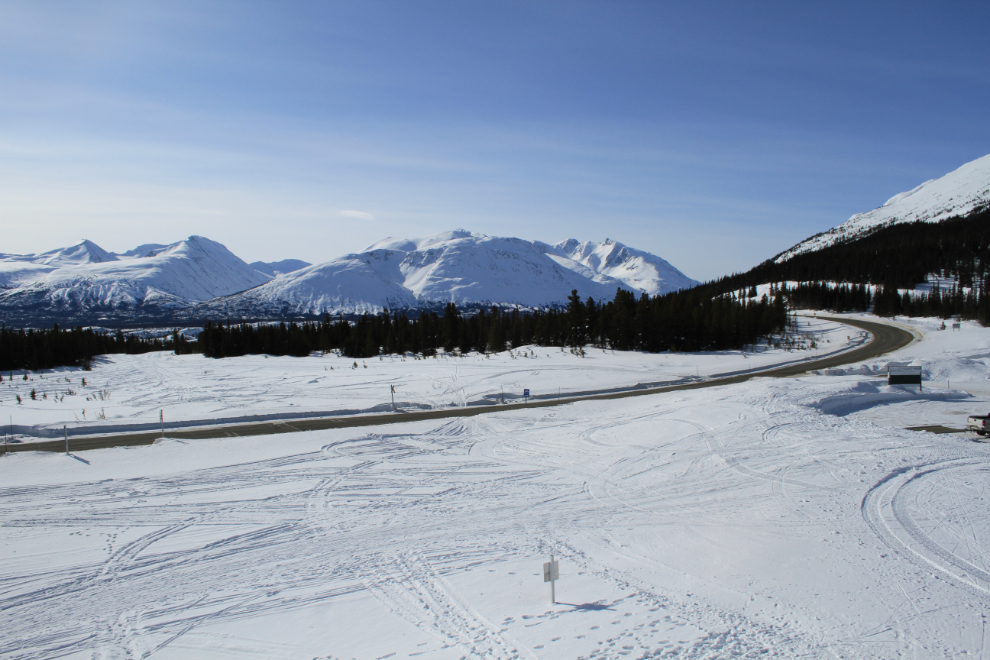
<point>887,513</point>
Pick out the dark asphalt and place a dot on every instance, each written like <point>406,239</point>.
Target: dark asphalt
<point>885,339</point>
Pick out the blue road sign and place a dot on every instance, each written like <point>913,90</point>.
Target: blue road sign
<point>526,393</point>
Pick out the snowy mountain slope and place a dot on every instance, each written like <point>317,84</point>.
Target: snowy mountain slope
<point>458,266</point>
<point>479,268</point>
<point>192,270</point>
<point>276,268</point>
<point>145,250</point>
<point>957,193</point>
<point>346,285</point>
<point>20,269</point>
<point>640,271</point>
<point>14,273</point>
<point>84,252</point>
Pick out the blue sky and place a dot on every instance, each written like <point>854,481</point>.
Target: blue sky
<point>713,134</point>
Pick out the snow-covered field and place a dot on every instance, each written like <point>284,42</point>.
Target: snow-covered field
<point>776,518</point>
<point>128,392</point>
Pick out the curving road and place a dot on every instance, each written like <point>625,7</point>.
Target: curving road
<point>886,338</point>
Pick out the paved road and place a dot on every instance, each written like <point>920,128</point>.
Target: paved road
<point>886,338</point>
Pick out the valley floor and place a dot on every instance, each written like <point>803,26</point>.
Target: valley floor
<point>130,392</point>
<point>776,518</point>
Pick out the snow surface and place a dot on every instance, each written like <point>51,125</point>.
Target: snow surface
<point>276,268</point>
<point>956,194</point>
<point>640,271</point>
<point>457,266</point>
<point>18,269</point>
<point>127,392</point>
<point>86,277</point>
<point>758,520</point>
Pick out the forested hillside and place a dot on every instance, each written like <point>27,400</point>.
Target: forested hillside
<point>899,256</point>
<point>891,258</point>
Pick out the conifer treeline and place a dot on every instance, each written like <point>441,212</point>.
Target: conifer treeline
<point>821,295</point>
<point>898,256</point>
<point>680,321</point>
<point>973,304</point>
<point>44,349</point>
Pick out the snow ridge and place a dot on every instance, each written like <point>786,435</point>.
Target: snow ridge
<point>638,270</point>
<point>958,193</point>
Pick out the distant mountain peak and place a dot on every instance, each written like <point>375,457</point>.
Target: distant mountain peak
<point>638,270</point>
<point>460,266</point>
<point>84,281</point>
<point>83,252</point>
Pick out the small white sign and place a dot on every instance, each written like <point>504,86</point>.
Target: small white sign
<point>547,577</point>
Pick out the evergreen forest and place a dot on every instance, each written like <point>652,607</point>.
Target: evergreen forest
<point>890,258</point>
<point>681,321</point>
<point>45,349</point>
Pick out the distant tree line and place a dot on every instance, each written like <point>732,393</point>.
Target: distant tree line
<point>680,321</point>
<point>45,349</point>
<point>973,304</point>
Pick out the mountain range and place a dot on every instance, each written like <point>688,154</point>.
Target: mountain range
<point>198,278</point>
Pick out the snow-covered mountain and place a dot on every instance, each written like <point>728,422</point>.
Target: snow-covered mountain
<point>85,278</point>
<point>18,269</point>
<point>276,268</point>
<point>458,266</point>
<point>198,278</point>
<point>958,193</point>
<point>640,271</point>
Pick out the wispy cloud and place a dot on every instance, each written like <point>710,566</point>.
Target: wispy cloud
<point>358,215</point>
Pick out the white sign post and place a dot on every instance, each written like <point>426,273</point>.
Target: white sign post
<point>161,418</point>
<point>66,439</point>
<point>551,575</point>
